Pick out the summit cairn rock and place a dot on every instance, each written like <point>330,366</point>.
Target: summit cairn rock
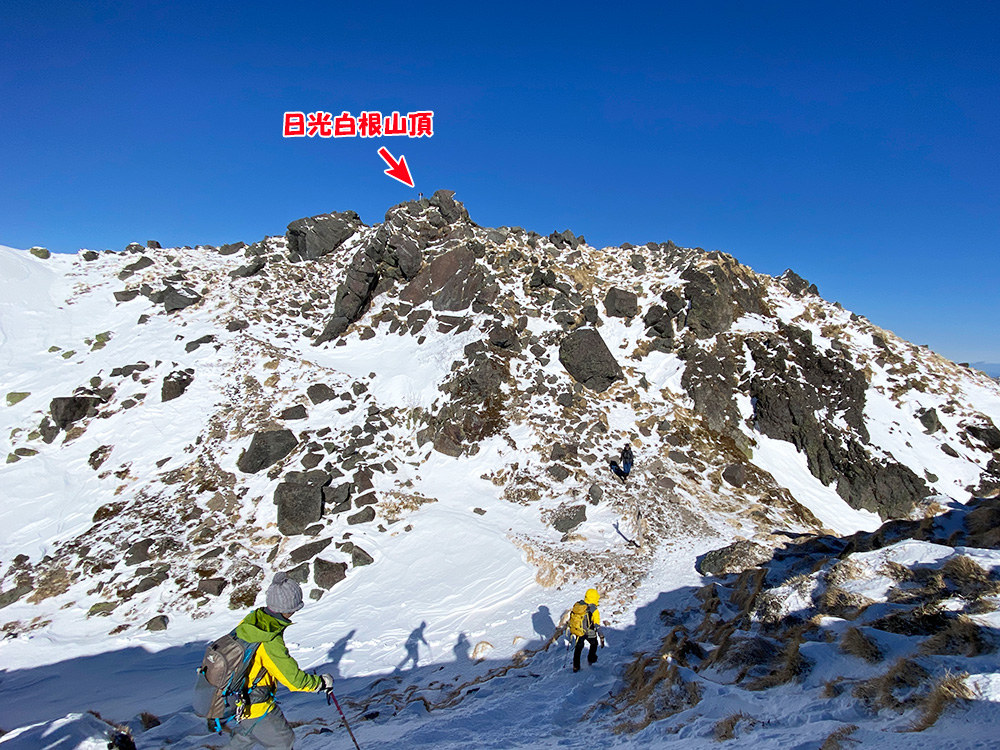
<point>266,449</point>
<point>588,360</point>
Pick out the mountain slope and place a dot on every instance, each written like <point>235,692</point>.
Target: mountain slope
<point>416,419</point>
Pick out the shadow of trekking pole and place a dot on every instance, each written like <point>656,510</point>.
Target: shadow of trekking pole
<point>331,697</point>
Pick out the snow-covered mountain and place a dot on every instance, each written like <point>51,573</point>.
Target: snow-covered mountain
<point>416,420</point>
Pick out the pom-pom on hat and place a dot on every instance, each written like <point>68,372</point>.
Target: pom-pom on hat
<point>284,595</point>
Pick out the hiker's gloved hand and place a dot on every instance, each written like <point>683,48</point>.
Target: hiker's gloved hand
<point>325,683</point>
<point>603,643</point>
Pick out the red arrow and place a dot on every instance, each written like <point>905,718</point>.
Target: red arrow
<point>397,169</point>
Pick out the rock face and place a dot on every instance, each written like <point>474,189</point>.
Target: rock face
<point>588,360</point>
<point>266,449</point>
<point>316,236</point>
<point>718,293</point>
<point>451,281</point>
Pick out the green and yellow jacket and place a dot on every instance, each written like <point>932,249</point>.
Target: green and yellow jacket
<point>272,663</point>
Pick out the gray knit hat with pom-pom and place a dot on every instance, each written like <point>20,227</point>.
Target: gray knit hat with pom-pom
<point>284,595</point>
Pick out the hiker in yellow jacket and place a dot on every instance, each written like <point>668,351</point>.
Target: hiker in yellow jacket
<point>585,624</point>
<point>264,723</point>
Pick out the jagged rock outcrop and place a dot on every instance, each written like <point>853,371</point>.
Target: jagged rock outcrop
<point>315,236</point>
<point>65,410</point>
<point>175,384</point>
<point>266,449</point>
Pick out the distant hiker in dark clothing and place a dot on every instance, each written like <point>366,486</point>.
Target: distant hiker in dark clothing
<point>584,623</point>
<point>265,724</point>
<point>625,468</point>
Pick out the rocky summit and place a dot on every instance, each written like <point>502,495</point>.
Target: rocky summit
<point>212,414</point>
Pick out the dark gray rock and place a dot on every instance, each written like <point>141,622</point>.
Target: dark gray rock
<point>796,284</point>
<point>313,237</point>
<point>558,472</point>
<point>365,515</point>
<point>588,360</point>
<point>328,574</point>
<point>237,325</point>
<point>452,211</point>
<point>250,269</point>
<point>930,420</point>
<point>320,392</point>
<point>308,551</point>
<point>638,263</point>
<point>620,303</point>
<point>595,493</point>
<point>735,558</point>
<point>212,586</point>
<point>9,597</point>
<point>175,384</point>
<point>985,433</point>
<point>126,295</point>
<point>157,624</point>
<point>359,557</point>
<point>192,345</point>
<point>363,490</point>
<point>568,518</point>
<point>298,506</point>
<point>316,478</point>
<point>335,497</point>
<point>232,248</point>
<point>90,255</point>
<point>735,474</point>
<point>266,449</point>
<point>719,294</point>
<point>174,300</point>
<point>408,255</point>
<point>300,573</point>
<point>139,552</point>
<point>452,281</point>
<point>143,262</point>
<point>65,410</point>
<point>949,451</point>
<point>294,412</point>
<point>153,245</point>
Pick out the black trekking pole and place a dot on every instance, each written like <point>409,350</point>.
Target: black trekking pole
<point>331,697</point>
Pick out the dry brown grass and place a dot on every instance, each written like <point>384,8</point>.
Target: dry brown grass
<point>968,578</point>
<point>894,689</point>
<point>946,691</point>
<point>962,637</point>
<point>842,603</point>
<point>845,570</point>
<point>836,740</point>
<point>791,666</point>
<point>725,729</point>
<point>653,689</point>
<point>856,643</point>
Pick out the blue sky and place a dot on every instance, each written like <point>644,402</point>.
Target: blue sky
<point>855,143</point>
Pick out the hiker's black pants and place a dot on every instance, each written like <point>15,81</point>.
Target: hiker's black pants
<point>591,657</point>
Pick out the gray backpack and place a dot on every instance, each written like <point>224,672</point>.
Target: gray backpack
<point>222,688</point>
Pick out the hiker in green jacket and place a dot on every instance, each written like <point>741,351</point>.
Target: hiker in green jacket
<point>265,724</point>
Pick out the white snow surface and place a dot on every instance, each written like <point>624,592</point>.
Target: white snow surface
<point>457,578</point>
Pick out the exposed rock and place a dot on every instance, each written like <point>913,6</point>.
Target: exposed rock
<point>250,269</point>
<point>212,586</point>
<point>9,597</point>
<point>359,557</point>
<point>153,245</point>
<point>985,433</point>
<point>734,558</point>
<point>316,478</point>
<point>796,284</point>
<point>620,303</point>
<point>157,623</point>
<point>65,410</point>
<point>365,515</point>
<point>192,345</point>
<point>567,518</point>
<point>930,420</point>
<point>558,472</point>
<point>237,325</point>
<point>735,474</point>
<point>175,384</point>
<point>294,412</point>
<point>719,293</point>
<point>298,506</point>
<point>90,255</point>
<point>308,551</point>
<point>320,392</point>
<point>313,237</point>
<point>328,574</point>
<point>595,493</point>
<point>174,300</point>
<point>16,397</point>
<point>588,360</point>
<point>126,295</point>
<point>336,497</point>
<point>266,449</point>
<point>451,281</point>
<point>232,248</point>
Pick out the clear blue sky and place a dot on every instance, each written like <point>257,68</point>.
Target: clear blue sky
<point>855,144</point>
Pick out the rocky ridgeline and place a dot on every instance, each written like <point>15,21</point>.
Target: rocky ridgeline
<point>561,338</point>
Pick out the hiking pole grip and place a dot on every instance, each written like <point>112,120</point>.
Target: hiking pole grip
<point>331,697</point>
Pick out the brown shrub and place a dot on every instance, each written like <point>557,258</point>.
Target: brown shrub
<point>836,739</point>
<point>840,603</point>
<point>962,637</point>
<point>881,692</point>
<point>725,729</point>
<point>968,578</point>
<point>792,666</point>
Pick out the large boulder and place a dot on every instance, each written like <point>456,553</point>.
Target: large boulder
<point>266,449</point>
<point>621,303</point>
<point>735,558</point>
<point>315,236</point>
<point>68,409</point>
<point>175,384</point>
<point>299,505</point>
<point>588,360</point>
<point>174,300</point>
<point>328,574</point>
